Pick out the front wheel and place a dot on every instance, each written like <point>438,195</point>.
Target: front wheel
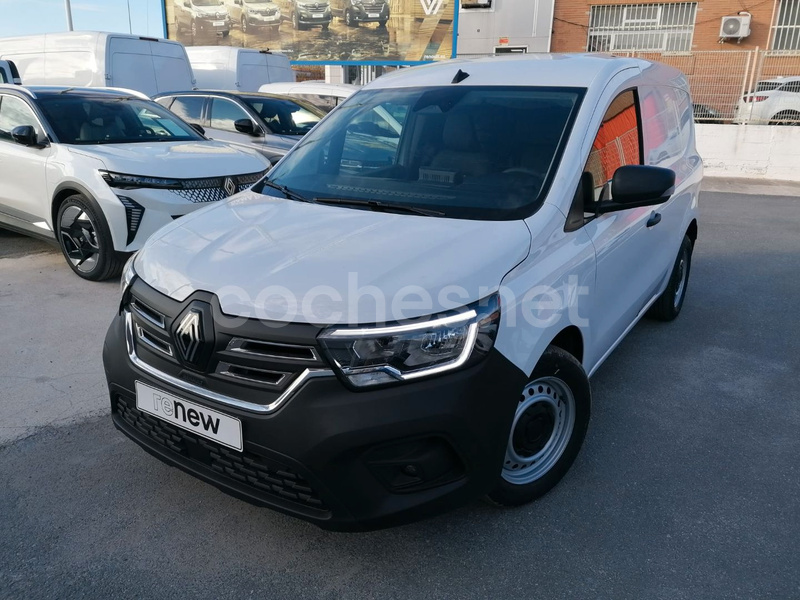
<point>549,427</point>
<point>244,24</point>
<point>349,20</point>
<point>295,21</point>
<point>669,304</point>
<point>85,240</point>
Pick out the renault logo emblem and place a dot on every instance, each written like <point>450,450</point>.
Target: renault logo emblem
<point>229,186</point>
<point>189,335</point>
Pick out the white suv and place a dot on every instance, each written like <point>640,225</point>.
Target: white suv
<point>774,102</point>
<point>100,170</point>
<point>404,315</point>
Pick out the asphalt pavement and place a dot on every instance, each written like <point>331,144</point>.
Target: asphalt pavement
<point>688,485</point>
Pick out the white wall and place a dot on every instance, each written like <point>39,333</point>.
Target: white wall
<point>751,151</point>
<point>523,22</point>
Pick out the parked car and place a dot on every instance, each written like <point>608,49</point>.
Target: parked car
<point>9,72</point>
<point>200,16</point>
<point>254,14</point>
<point>100,170</point>
<point>96,59</point>
<point>267,123</point>
<point>774,102</point>
<point>237,69</point>
<point>325,96</point>
<point>364,347</point>
<point>304,13</point>
<point>354,13</point>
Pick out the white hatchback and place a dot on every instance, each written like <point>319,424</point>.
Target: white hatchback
<point>774,102</point>
<point>404,315</point>
<point>100,170</point>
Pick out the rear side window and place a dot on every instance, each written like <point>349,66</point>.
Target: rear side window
<point>792,86</point>
<point>617,142</point>
<point>189,108</point>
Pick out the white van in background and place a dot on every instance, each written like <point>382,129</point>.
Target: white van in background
<point>325,96</point>
<point>96,59</point>
<point>237,69</point>
<point>9,73</point>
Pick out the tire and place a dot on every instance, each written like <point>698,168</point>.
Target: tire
<point>296,21</point>
<point>85,240</point>
<point>244,24</point>
<point>669,304</point>
<point>349,20</point>
<point>226,33</point>
<point>382,23</point>
<point>557,399</point>
<point>325,27</point>
<point>786,117</point>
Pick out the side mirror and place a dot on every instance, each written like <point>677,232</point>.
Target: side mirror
<point>25,135</point>
<point>638,185</point>
<point>247,126</point>
<point>198,128</point>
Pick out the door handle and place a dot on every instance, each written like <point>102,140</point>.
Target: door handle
<point>655,219</point>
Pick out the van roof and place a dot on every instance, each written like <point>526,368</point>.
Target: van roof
<point>559,70</point>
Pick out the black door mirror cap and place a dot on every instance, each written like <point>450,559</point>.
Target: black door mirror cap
<point>198,128</point>
<point>635,186</point>
<point>247,126</point>
<point>26,136</point>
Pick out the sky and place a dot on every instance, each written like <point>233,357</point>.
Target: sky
<point>25,17</point>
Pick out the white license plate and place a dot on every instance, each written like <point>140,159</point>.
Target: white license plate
<point>317,15</point>
<point>373,15</point>
<point>198,419</point>
<point>218,23</point>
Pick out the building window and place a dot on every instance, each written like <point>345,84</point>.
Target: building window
<point>476,3</point>
<point>786,30</point>
<point>653,27</point>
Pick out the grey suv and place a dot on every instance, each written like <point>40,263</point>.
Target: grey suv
<point>268,123</point>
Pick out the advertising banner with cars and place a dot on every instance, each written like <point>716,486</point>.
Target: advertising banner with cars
<point>321,31</point>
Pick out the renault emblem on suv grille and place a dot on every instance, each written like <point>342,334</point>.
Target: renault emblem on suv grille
<point>189,335</point>
<point>229,186</point>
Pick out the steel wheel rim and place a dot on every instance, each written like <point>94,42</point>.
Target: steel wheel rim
<point>682,273</point>
<point>79,239</point>
<point>544,395</point>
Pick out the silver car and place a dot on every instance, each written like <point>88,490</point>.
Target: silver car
<point>269,123</point>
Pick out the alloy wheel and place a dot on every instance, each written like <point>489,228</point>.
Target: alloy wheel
<point>79,239</point>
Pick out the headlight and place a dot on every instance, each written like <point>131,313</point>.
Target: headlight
<point>378,355</point>
<point>120,180</point>
<point>128,275</point>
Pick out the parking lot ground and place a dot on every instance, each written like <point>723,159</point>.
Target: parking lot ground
<point>687,485</point>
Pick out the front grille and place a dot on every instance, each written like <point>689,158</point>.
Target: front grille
<point>266,477</point>
<point>212,189</point>
<point>252,361</point>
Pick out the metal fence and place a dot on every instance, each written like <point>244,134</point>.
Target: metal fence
<point>724,83</point>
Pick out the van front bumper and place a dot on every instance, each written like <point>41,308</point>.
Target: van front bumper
<point>365,13</point>
<point>342,459</point>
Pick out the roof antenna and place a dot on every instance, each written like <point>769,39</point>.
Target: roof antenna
<point>460,76</point>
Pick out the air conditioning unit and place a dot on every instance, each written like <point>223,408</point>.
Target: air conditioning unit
<point>737,27</point>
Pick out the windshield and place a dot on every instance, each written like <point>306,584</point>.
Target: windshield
<point>467,152</point>
<point>284,116</point>
<point>206,2</point>
<point>93,120</point>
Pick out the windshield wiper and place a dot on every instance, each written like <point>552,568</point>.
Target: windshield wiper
<point>381,206</point>
<point>285,191</point>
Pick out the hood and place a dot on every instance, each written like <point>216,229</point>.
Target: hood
<point>282,260</point>
<point>182,160</point>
